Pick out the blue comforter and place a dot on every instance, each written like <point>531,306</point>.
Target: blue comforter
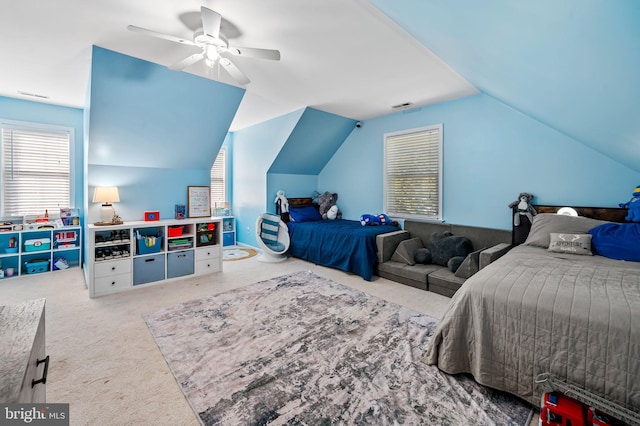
<point>341,244</point>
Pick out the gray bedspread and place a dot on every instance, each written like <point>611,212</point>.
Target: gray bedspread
<point>533,312</point>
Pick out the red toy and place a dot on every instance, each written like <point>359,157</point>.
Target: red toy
<point>559,409</point>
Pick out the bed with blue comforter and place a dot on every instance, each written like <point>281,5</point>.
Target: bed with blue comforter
<point>342,244</point>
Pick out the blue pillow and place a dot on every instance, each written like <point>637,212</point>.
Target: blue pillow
<point>617,241</point>
<point>304,214</point>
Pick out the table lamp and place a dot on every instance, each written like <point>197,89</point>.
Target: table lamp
<point>106,195</point>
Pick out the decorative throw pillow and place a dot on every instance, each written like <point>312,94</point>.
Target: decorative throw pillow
<point>570,243</point>
<point>406,251</point>
<point>445,245</point>
<point>546,223</point>
<point>304,214</point>
<point>269,228</point>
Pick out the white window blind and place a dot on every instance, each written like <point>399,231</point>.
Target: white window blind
<point>218,184</point>
<point>36,173</point>
<point>413,173</point>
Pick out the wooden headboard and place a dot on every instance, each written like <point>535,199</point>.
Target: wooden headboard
<point>300,202</point>
<point>611,214</point>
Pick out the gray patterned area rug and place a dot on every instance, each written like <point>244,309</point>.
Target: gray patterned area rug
<point>303,350</point>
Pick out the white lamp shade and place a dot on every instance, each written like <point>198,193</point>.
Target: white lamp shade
<point>106,194</point>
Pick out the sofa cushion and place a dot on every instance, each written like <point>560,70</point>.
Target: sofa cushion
<point>443,277</point>
<point>470,265</point>
<point>406,251</point>
<point>413,272</point>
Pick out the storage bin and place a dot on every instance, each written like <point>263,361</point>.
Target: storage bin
<point>179,264</point>
<point>36,266</point>
<point>175,231</point>
<point>149,245</point>
<point>37,244</point>
<point>148,269</point>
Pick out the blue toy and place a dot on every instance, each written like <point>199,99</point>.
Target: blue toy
<point>633,205</point>
<point>375,219</point>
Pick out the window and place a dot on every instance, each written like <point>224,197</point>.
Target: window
<point>36,173</point>
<point>413,173</point>
<point>218,179</point>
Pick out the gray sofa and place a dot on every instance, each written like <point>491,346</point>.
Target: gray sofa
<point>488,245</point>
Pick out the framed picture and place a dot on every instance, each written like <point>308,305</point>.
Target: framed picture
<point>199,201</point>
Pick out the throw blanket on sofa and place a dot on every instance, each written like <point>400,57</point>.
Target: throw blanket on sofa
<point>532,312</point>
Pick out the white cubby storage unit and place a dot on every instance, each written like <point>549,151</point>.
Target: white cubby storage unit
<point>33,251</point>
<point>123,257</point>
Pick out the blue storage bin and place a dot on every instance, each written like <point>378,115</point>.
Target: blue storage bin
<point>180,263</point>
<point>148,269</point>
<point>149,245</point>
<point>36,266</point>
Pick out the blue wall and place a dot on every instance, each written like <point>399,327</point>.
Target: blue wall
<point>152,132</point>
<point>254,150</point>
<point>491,154</point>
<point>41,113</point>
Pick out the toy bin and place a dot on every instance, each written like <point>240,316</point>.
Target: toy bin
<point>149,244</point>
<point>37,244</point>
<point>36,266</point>
<point>175,231</point>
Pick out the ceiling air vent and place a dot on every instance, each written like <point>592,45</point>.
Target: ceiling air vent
<point>400,107</point>
<point>32,94</point>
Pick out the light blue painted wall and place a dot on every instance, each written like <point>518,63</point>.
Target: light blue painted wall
<point>491,154</point>
<point>153,132</point>
<point>41,113</point>
<point>254,150</point>
<point>572,64</point>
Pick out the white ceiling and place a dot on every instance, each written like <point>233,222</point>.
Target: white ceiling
<point>343,57</point>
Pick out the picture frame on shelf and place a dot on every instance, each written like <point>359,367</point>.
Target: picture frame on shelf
<point>199,201</point>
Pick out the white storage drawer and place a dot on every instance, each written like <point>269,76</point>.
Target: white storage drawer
<point>212,252</point>
<point>112,267</point>
<point>112,283</point>
<point>207,266</point>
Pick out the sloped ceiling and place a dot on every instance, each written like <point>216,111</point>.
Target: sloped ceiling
<point>571,64</point>
<point>314,140</point>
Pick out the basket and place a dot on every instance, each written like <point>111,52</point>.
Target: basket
<point>149,244</point>
<point>174,231</point>
<point>36,266</point>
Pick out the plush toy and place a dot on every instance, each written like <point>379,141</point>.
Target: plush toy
<point>445,249</point>
<point>377,219</point>
<point>325,201</point>
<point>633,205</point>
<point>282,205</point>
<point>523,208</point>
<point>333,212</point>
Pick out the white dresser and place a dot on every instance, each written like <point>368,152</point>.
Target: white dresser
<point>23,361</point>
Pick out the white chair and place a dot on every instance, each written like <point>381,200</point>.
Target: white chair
<point>272,235</point>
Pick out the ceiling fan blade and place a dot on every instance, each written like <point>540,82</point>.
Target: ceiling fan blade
<point>188,61</point>
<point>234,71</point>
<point>211,22</point>
<point>160,35</point>
<point>253,52</point>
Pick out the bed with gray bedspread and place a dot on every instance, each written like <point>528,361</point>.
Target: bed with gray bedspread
<point>533,312</point>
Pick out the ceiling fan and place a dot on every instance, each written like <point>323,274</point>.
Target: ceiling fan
<point>213,45</point>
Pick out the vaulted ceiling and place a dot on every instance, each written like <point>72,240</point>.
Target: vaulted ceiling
<point>571,64</point>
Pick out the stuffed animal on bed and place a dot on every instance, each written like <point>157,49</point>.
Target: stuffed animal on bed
<point>633,215</point>
<point>523,208</point>
<point>334,213</point>
<point>282,205</point>
<point>325,201</point>
<point>375,219</point>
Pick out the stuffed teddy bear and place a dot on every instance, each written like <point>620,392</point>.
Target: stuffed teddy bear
<point>633,215</point>
<point>445,249</point>
<point>523,208</point>
<point>375,219</point>
<point>325,201</point>
<point>282,205</point>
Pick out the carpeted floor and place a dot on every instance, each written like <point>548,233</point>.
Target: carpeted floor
<point>301,349</point>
